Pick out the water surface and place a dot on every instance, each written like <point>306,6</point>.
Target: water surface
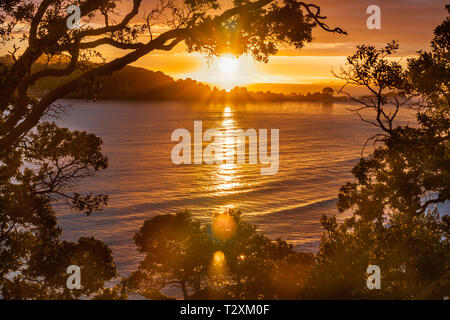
<point>319,144</point>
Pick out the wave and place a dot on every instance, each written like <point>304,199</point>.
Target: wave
<point>310,207</point>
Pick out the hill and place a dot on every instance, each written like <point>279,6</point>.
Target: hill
<point>142,84</point>
<point>288,88</point>
<point>134,83</point>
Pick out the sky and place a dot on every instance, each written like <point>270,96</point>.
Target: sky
<point>411,22</point>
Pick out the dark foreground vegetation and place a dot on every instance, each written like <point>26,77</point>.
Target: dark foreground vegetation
<point>394,222</point>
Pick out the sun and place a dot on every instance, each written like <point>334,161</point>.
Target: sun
<point>227,71</point>
<point>228,64</point>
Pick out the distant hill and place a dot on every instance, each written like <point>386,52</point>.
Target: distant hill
<point>142,84</point>
<point>288,88</point>
<point>134,83</point>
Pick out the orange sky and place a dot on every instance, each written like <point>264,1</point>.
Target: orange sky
<point>411,22</point>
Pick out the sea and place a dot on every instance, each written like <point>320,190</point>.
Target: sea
<point>319,143</point>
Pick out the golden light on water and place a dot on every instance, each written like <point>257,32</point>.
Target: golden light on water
<point>227,112</point>
<point>227,171</point>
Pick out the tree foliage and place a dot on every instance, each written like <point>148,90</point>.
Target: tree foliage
<point>33,259</point>
<point>40,163</point>
<point>248,27</point>
<point>182,252</point>
<point>394,222</point>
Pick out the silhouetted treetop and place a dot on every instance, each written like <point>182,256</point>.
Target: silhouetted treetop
<point>255,27</point>
<point>224,257</point>
<point>396,202</point>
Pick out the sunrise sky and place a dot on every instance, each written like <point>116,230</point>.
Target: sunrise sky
<point>411,22</point>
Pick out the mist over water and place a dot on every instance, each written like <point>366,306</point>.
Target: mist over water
<point>319,144</point>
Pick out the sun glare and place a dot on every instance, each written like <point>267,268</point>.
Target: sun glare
<point>227,72</point>
<point>228,64</point>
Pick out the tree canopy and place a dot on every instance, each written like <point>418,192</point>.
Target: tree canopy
<point>224,255</point>
<point>255,27</point>
<point>394,222</point>
<point>40,163</point>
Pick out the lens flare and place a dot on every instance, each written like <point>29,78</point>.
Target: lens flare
<point>218,266</point>
<point>224,227</point>
<point>219,258</point>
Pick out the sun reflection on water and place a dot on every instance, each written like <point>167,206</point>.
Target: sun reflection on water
<point>227,170</point>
